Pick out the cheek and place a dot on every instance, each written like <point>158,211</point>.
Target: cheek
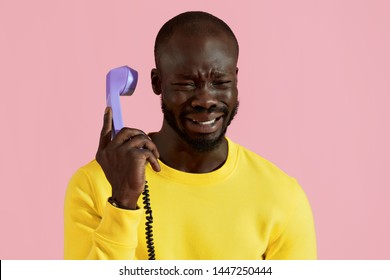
<point>230,97</point>
<point>175,99</point>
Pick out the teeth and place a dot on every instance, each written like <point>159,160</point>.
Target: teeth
<point>205,123</point>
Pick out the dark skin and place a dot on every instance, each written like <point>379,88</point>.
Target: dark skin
<point>195,74</point>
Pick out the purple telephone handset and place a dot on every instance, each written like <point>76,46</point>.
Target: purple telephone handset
<point>119,81</point>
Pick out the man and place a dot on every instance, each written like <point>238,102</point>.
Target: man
<point>210,198</point>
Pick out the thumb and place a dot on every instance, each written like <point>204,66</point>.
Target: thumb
<point>105,134</point>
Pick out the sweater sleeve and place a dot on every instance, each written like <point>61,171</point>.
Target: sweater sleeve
<point>93,228</point>
<point>297,239</point>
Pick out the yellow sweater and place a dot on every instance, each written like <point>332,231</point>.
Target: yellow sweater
<point>247,209</point>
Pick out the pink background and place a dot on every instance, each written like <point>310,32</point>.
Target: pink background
<point>314,87</point>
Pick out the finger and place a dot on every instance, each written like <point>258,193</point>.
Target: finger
<point>145,155</point>
<point>142,141</point>
<point>152,160</point>
<point>105,134</point>
<point>124,135</point>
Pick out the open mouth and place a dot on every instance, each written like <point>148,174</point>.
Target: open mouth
<point>204,124</point>
<point>210,122</point>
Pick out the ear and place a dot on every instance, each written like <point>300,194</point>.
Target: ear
<point>236,74</point>
<point>156,81</point>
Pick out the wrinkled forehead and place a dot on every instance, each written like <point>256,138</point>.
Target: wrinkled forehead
<point>200,52</point>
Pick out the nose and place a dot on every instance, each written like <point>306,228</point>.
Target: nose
<point>204,98</point>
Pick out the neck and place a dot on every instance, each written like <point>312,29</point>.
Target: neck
<point>177,154</point>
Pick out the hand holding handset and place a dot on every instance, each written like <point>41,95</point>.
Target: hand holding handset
<point>119,81</point>
<point>122,81</point>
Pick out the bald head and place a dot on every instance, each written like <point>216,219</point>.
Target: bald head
<point>192,24</point>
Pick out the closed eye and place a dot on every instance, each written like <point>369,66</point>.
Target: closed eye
<point>184,86</point>
<point>222,84</point>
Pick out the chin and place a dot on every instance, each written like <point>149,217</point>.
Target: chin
<point>204,144</point>
<point>200,142</point>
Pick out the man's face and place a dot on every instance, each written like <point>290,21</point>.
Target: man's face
<point>198,82</point>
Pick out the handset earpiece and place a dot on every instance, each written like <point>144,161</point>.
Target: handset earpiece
<point>119,81</point>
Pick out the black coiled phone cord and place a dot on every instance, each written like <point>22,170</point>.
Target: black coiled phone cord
<point>148,223</point>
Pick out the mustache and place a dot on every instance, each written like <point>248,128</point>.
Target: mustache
<point>199,109</point>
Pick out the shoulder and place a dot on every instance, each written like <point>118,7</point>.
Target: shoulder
<point>281,195</point>
<point>267,178</point>
<point>89,181</point>
<point>253,161</point>
<point>90,172</point>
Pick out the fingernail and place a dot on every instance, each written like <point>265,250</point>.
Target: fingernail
<point>106,110</point>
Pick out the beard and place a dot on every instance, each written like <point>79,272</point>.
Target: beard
<point>201,144</point>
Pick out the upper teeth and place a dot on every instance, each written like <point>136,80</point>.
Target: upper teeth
<point>206,122</point>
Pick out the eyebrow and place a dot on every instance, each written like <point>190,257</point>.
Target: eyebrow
<point>214,74</point>
<point>185,76</point>
<point>218,74</point>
